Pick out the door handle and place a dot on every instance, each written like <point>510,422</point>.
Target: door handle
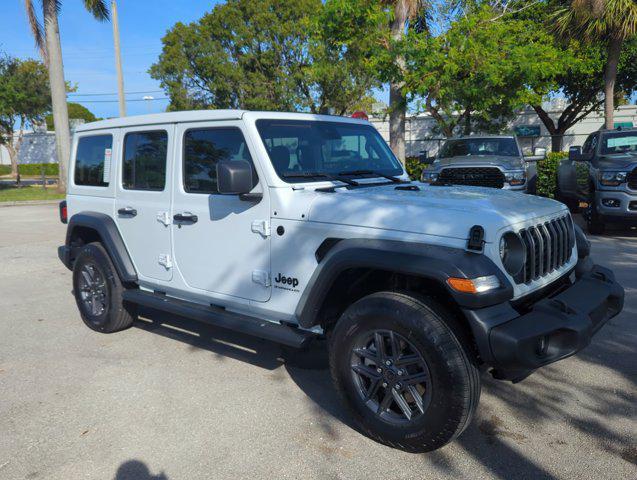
<point>127,212</point>
<point>185,218</point>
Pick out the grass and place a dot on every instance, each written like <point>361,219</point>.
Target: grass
<point>13,194</point>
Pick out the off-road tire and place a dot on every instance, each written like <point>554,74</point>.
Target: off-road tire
<point>594,223</point>
<point>455,378</point>
<point>116,315</point>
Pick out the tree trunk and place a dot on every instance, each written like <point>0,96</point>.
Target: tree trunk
<point>610,75</point>
<point>58,90</point>
<point>557,142</point>
<point>397,99</point>
<point>13,157</point>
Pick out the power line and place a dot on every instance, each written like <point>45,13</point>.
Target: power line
<point>133,100</point>
<point>115,93</point>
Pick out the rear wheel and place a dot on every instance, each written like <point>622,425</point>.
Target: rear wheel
<point>403,373</point>
<point>98,291</point>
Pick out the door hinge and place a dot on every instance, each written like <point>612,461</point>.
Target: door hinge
<point>261,277</point>
<point>261,227</point>
<point>165,260</point>
<point>164,217</point>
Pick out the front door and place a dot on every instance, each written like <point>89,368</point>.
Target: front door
<point>142,206</point>
<point>221,242</point>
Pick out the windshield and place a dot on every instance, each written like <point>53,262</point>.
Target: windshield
<point>307,151</point>
<point>506,147</point>
<point>619,142</point>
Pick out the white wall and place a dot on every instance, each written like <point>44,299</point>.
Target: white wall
<point>419,136</point>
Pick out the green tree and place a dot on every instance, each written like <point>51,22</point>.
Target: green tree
<point>479,72</point>
<point>261,55</point>
<point>610,22</point>
<point>580,83</point>
<point>76,112</point>
<point>47,38</point>
<point>24,99</point>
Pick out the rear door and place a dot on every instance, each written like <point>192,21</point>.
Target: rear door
<point>142,205</point>
<point>221,242</point>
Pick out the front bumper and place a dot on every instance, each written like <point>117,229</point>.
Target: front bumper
<point>516,341</point>
<point>624,212</point>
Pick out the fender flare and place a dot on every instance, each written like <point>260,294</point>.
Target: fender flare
<point>432,262</point>
<point>111,239</point>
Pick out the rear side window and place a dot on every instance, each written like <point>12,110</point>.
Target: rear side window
<point>93,160</point>
<point>145,156</point>
<point>204,148</point>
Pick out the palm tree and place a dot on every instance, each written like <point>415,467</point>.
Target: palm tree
<point>609,21</point>
<point>404,11</point>
<point>47,38</point>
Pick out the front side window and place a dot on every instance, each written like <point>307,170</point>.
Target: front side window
<point>619,142</point>
<point>463,147</point>
<point>308,150</point>
<point>204,148</point>
<point>93,160</point>
<point>145,155</point>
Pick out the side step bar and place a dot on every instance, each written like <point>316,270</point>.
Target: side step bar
<point>219,317</point>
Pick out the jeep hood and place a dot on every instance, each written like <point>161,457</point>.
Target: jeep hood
<point>432,210</point>
<point>508,163</point>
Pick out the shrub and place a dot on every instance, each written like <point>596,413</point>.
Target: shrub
<point>414,167</point>
<point>547,174</point>
<point>33,169</point>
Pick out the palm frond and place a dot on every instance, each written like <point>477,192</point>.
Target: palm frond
<point>597,19</point>
<point>98,9</point>
<point>36,27</point>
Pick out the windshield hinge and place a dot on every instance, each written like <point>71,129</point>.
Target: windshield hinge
<point>262,227</point>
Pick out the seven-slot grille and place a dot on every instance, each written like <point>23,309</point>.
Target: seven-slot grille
<point>632,179</point>
<point>548,246</point>
<point>476,176</point>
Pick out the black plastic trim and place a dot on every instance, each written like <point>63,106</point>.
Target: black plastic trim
<point>110,238</point>
<point>220,317</point>
<point>564,323</point>
<point>433,262</point>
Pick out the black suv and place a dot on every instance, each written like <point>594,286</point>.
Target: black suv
<point>602,173</point>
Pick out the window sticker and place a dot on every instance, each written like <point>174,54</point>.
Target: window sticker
<point>622,141</point>
<point>108,153</point>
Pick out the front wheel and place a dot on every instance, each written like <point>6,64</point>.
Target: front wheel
<point>594,223</point>
<point>406,377</point>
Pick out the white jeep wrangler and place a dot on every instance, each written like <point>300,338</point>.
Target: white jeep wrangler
<point>293,226</point>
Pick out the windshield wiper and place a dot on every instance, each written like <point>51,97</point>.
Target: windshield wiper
<point>337,177</point>
<point>374,172</point>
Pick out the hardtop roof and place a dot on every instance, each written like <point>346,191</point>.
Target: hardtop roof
<point>205,115</point>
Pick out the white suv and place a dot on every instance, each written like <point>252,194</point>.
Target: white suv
<point>293,226</point>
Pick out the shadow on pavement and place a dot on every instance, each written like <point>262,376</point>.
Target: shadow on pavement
<point>487,440</point>
<point>136,470</point>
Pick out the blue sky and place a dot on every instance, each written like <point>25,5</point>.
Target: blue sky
<point>87,47</point>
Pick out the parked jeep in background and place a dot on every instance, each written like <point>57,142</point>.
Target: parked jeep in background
<point>292,226</point>
<point>485,161</point>
<point>602,173</point>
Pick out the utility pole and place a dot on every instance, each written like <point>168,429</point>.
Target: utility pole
<point>118,60</point>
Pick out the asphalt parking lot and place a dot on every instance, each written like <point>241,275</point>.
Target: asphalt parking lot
<point>171,399</point>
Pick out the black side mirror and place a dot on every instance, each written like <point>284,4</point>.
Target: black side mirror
<point>575,155</point>
<point>424,158</point>
<point>234,177</point>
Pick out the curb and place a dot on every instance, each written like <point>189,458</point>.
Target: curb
<point>30,202</point>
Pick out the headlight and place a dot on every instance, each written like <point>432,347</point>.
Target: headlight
<point>512,253</point>
<point>612,179</point>
<point>429,177</point>
<point>517,177</point>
